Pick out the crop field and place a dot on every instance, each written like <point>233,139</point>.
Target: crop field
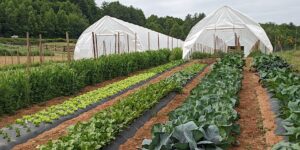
<point>138,75</point>
<point>199,104</point>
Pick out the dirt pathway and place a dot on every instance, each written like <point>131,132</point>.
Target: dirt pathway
<point>61,129</point>
<point>162,116</point>
<point>256,117</point>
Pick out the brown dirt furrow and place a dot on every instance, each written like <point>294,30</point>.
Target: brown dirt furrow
<point>254,110</point>
<point>267,115</point>
<point>61,129</point>
<point>162,116</point>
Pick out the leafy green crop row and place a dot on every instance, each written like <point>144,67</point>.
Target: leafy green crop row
<point>207,119</point>
<point>19,89</point>
<point>278,77</point>
<point>70,106</point>
<point>106,124</point>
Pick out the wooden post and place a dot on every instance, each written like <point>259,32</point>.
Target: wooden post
<point>215,43</point>
<point>135,42</point>
<point>296,39</point>
<point>62,56</point>
<point>97,48</point>
<point>68,46</point>
<point>28,50</point>
<point>158,43</point>
<point>41,48</point>
<point>149,41</point>
<point>118,42</point>
<point>12,58</point>
<point>32,57</point>
<point>5,58</point>
<point>18,55</point>
<point>104,48</point>
<point>168,43</point>
<point>94,50</point>
<point>172,43</point>
<point>128,42</point>
<point>54,52</point>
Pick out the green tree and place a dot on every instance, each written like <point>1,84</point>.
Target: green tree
<point>62,22</point>
<point>177,31</point>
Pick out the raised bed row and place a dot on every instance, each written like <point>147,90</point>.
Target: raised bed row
<point>21,88</point>
<point>104,127</point>
<point>32,125</point>
<point>284,85</point>
<point>207,119</point>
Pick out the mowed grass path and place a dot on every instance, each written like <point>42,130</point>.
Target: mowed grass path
<point>293,57</point>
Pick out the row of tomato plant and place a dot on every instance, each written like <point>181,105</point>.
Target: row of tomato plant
<point>284,84</point>
<point>206,120</point>
<point>106,124</point>
<point>70,106</point>
<point>20,88</point>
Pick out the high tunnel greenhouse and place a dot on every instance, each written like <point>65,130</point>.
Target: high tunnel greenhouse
<point>113,36</point>
<point>224,30</point>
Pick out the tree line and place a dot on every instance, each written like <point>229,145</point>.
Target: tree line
<point>53,18</point>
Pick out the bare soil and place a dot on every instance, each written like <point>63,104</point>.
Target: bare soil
<point>267,115</point>
<point>61,129</point>
<point>256,117</point>
<point>162,116</point>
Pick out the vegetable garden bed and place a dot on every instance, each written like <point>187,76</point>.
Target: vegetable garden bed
<point>108,123</point>
<point>30,126</point>
<point>207,119</point>
<point>21,89</point>
<point>284,84</point>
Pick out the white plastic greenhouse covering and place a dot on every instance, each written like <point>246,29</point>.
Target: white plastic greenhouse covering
<point>226,28</point>
<point>113,36</point>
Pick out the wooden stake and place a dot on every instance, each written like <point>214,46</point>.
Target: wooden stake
<point>5,58</point>
<point>62,56</point>
<point>172,43</point>
<point>104,48</point>
<point>118,42</point>
<point>54,50</point>
<point>148,40</point>
<point>168,43</point>
<point>41,48</point>
<point>94,50</point>
<point>18,55</point>
<point>68,46</point>
<point>128,43</point>
<point>135,42</point>
<point>32,58</point>
<point>97,49</point>
<point>158,41</point>
<point>28,51</point>
<point>12,58</point>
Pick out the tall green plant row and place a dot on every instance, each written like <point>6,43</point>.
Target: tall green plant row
<point>19,89</point>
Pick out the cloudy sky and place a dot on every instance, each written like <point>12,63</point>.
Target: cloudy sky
<point>279,11</point>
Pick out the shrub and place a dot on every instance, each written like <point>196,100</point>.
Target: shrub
<point>176,54</point>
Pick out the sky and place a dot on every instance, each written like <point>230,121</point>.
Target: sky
<point>278,11</point>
